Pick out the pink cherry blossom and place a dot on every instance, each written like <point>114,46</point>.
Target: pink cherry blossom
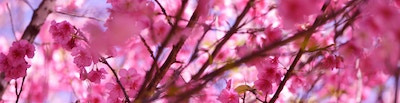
<point>115,92</point>
<point>96,75</point>
<point>82,56</point>
<point>203,7</point>
<point>379,16</point>
<point>158,32</point>
<point>3,62</point>
<point>296,12</point>
<point>264,86</point>
<point>70,44</point>
<point>62,32</point>
<point>228,96</point>
<point>243,50</point>
<point>273,34</point>
<point>39,89</point>
<point>330,62</point>
<point>21,48</point>
<point>83,75</point>
<point>14,64</point>
<point>131,80</point>
<point>16,71</point>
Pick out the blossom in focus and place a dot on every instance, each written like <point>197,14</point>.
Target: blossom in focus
<point>14,64</point>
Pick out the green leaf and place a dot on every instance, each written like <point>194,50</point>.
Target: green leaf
<point>243,88</point>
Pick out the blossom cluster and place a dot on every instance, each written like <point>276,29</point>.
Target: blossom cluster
<point>14,65</point>
<point>69,38</point>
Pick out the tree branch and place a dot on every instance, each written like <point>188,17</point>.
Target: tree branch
<point>227,36</point>
<point>291,68</point>
<point>104,61</point>
<point>148,47</point>
<point>164,12</point>
<point>143,93</point>
<point>321,20</point>
<point>38,18</point>
<point>20,90</point>
<point>81,16</point>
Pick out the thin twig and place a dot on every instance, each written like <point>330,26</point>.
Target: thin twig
<point>165,67</point>
<point>27,3</point>
<point>244,97</point>
<point>291,68</point>
<point>20,90</point>
<point>263,14</point>
<point>16,88</point>
<point>225,39</point>
<point>143,93</point>
<point>148,47</point>
<point>321,20</point>
<point>103,60</point>
<point>81,16</point>
<point>311,88</point>
<point>38,18</point>
<point>196,48</point>
<point>164,12</point>
<point>11,21</point>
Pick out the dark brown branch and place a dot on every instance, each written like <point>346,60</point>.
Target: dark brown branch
<point>143,93</point>
<point>196,50</point>
<point>321,20</point>
<point>164,12</point>
<point>257,54</point>
<point>172,56</point>
<point>293,65</point>
<point>38,18</point>
<point>291,68</point>
<point>148,47</point>
<point>165,67</point>
<point>227,36</point>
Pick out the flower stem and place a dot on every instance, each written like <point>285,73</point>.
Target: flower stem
<point>20,90</point>
<point>103,60</point>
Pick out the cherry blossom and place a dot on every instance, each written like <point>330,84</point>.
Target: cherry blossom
<point>96,75</point>
<point>131,80</point>
<point>294,12</point>
<point>14,64</point>
<point>228,95</point>
<point>83,57</point>
<point>62,33</point>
